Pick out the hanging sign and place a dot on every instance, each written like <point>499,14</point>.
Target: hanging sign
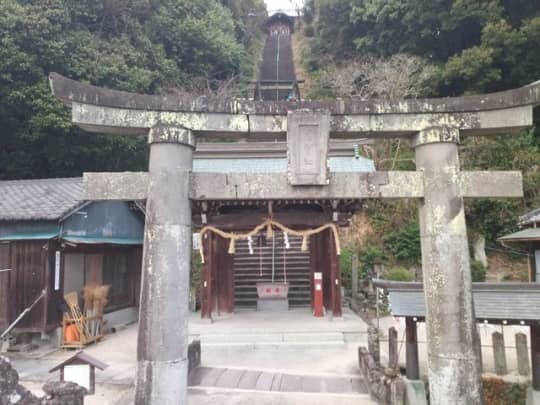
<point>250,245</point>
<point>57,270</point>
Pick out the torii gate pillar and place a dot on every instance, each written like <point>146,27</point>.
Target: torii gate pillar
<point>163,317</point>
<point>453,346</point>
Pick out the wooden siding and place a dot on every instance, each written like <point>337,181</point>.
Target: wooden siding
<point>5,264</point>
<point>94,259</point>
<point>27,279</point>
<point>53,313</point>
<point>217,272</point>
<point>32,265</point>
<point>224,278</point>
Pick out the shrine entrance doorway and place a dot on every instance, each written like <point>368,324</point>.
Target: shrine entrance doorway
<point>301,240</point>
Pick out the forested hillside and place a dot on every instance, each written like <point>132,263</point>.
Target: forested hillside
<point>148,46</point>
<point>358,48</point>
<point>429,48</point>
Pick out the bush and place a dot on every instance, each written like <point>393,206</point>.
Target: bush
<point>478,271</point>
<point>497,391</point>
<point>345,265</point>
<point>368,257</point>
<point>398,274</point>
<point>195,275</point>
<point>309,31</point>
<point>405,243</point>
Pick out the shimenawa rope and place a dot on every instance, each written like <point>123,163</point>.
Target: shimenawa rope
<point>268,224</point>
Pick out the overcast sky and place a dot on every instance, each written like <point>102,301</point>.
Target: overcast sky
<point>288,6</point>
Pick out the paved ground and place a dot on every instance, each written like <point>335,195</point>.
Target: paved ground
<point>213,397</point>
<point>248,358</point>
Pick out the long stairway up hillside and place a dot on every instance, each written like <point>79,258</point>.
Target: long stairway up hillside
<point>277,65</point>
<point>251,268</point>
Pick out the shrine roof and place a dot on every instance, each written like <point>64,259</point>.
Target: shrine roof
<point>503,301</point>
<point>69,91</point>
<point>525,235</point>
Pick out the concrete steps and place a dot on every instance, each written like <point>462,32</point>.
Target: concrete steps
<point>277,381</point>
<point>303,340</point>
<point>252,268</point>
<point>269,69</point>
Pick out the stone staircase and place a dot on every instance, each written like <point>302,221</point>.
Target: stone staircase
<point>249,267</point>
<point>277,381</point>
<point>277,68</point>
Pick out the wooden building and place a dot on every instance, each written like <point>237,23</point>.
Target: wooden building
<point>230,275</point>
<point>52,241</point>
<point>529,239</point>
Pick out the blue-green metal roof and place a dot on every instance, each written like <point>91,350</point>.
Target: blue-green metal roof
<point>28,230</point>
<point>103,240</point>
<point>28,236</point>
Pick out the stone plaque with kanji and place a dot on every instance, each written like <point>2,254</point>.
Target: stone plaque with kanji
<point>307,147</point>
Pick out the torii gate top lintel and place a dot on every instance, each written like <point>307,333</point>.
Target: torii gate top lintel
<point>104,110</point>
<point>69,91</point>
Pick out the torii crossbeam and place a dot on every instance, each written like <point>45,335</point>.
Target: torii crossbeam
<point>173,123</point>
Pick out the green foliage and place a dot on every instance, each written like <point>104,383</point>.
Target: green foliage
<point>478,271</point>
<point>476,46</point>
<point>497,391</point>
<point>398,274</point>
<point>135,45</point>
<point>431,28</point>
<point>309,31</point>
<point>345,265</point>
<point>195,272</point>
<point>473,47</point>
<point>404,243</point>
<point>368,257</point>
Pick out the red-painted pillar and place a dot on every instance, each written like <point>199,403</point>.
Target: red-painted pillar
<point>206,279</point>
<point>335,275</point>
<point>318,307</point>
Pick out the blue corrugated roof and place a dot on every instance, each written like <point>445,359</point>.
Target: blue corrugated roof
<point>277,165</point>
<point>500,301</point>
<point>99,240</point>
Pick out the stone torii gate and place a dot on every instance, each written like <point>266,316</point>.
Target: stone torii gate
<point>173,123</point>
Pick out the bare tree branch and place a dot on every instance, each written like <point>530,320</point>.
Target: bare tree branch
<point>400,76</point>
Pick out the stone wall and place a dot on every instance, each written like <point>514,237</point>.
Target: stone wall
<point>384,384</point>
<point>56,393</point>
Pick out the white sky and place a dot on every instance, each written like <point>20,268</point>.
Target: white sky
<point>289,6</point>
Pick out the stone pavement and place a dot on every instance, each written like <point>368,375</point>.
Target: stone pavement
<point>287,352</point>
<point>212,396</point>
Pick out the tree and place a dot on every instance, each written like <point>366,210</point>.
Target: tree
<point>398,76</point>
<point>144,46</point>
<point>464,47</point>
